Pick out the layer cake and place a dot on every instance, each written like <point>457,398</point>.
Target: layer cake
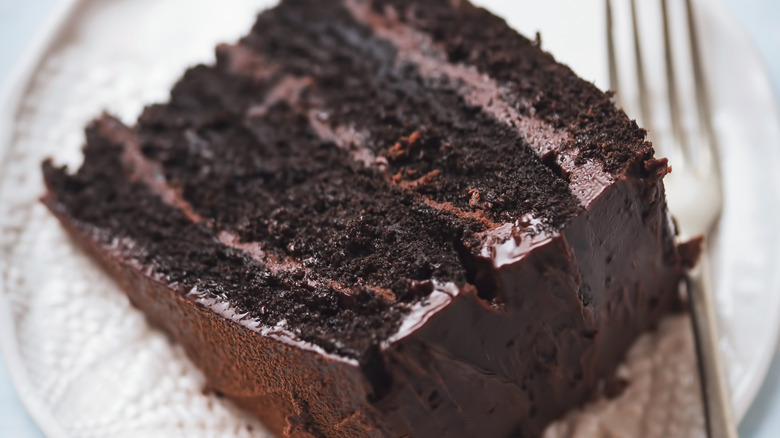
<point>384,218</point>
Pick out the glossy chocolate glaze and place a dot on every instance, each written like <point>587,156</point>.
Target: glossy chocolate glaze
<point>570,307</point>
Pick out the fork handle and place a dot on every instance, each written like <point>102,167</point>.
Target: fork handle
<point>715,390</point>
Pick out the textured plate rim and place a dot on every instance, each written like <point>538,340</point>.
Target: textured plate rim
<point>18,83</point>
<point>11,94</point>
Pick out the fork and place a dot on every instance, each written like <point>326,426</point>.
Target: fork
<point>694,187</point>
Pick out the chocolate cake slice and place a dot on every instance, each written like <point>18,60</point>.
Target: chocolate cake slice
<point>384,218</point>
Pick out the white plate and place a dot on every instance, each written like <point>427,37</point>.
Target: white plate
<point>86,364</point>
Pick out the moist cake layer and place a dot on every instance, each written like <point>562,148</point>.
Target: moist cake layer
<point>413,207</point>
<point>110,199</point>
<point>420,131</point>
<point>472,36</point>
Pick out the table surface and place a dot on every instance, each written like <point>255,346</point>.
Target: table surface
<point>20,20</point>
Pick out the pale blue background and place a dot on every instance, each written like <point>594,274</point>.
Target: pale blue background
<point>21,19</point>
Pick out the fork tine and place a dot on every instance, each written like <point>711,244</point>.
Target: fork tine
<point>680,153</point>
<point>707,144</point>
<point>611,55</point>
<point>642,112</point>
<point>645,112</point>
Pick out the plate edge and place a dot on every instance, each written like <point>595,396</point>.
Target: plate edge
<point>749,392</point>
<point>11,93</point>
